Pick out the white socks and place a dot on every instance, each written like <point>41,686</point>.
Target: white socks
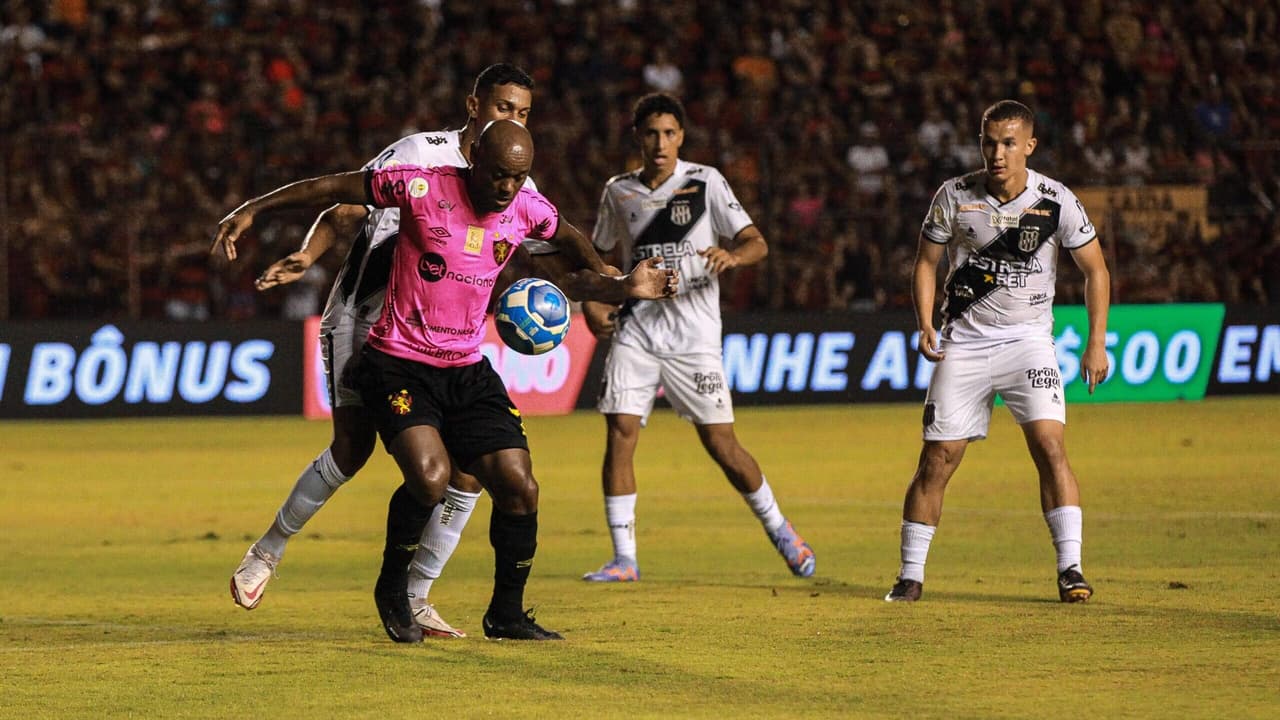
<point>765,507</point>
<point>1065,525</point>
<point>313,488</point>
<point>439,540</point>
<point>620,513</point>
<point>915,548</point>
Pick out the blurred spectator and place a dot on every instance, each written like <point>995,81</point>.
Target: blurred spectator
<point>834,122</point>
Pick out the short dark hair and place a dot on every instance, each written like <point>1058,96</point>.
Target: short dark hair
<point>1010,110</point>
<point>657,104</point>
<point>501,74</point>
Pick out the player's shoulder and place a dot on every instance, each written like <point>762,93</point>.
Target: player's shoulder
<point>963,186</point>
<point>696,171</point>
<point>1047,187</point>
<point>530,196</point>
<point>424,149</point>
<point>623,179</point>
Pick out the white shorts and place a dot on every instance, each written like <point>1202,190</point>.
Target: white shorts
<point>694,384</point>
<point>338,345</point>
<point>1023,372</point>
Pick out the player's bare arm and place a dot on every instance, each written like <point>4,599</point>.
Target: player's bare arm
<point>1097,301</point>
<point>591,281</point>
<point>350,188</point>
<point>602,317</point>
<point>748,248</point>
<point>338,221</point>
<point>924,287</point>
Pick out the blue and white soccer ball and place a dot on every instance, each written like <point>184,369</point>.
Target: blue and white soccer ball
<point>532,316</point>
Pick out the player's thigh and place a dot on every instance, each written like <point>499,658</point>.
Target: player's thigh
<point>397,394</point>
<point>958,403</point>
<point>479,417</point>
<point>508,475</point>
<point>695,386</point>
<point>630,381</point>
<point>1025,374</point>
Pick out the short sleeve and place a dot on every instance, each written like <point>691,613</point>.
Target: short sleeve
<point>543,217</point>
<point>937,224</point>
<point>728,218</point>
<point>1074,227</point>
<point>397,186</point>
<point>605,234</point>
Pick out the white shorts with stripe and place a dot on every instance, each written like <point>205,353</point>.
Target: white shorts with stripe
<point>1023,372</point>
<point>340,343</point>
<point>694,384</point>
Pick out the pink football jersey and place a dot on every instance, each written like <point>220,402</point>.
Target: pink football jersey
<point>446,261</point>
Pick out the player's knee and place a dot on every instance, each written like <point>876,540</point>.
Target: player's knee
<point>519,495</point>
<point>938,461</point>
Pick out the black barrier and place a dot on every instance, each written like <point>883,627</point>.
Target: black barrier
<point>1248,357</point>
<point>85,370</point>
<point>793,358</point>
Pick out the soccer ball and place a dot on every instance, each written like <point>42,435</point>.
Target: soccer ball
<point>532,316</point>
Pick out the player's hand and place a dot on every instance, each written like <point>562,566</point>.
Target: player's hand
<point>284,271</point>
<point>928,345</point>
<point>602,319</point>
<point>230,230</point>
<point>719,259</point>
<point>650,282</point>
<point>1093,366</point>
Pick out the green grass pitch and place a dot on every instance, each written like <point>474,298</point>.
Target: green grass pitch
<point>117,540</point>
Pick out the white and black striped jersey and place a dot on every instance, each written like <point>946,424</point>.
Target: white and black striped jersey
<point>360,285</point>
<point>1003,256</point>
<point>688,213</point>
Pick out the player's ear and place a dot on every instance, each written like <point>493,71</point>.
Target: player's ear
<point>1031,144</point>
<point>473,107</point>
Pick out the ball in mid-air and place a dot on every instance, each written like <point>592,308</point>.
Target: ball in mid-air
<point>532,316</point>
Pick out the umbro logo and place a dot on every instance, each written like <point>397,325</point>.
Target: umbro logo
<point>439,232</point>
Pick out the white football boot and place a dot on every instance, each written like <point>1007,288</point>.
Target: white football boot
<point>250,579</point>
<point>433,625</point>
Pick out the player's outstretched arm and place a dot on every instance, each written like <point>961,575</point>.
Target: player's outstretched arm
<point>338,221</point>
<point>586,277</point>
<point>924,288</point>
<point>1097,301</point>
<point>351,187</point>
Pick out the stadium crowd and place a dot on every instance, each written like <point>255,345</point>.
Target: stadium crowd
<point>834,121</point>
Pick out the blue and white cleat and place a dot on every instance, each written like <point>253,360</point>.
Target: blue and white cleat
<point>794,550</point>
<point>616,570</point>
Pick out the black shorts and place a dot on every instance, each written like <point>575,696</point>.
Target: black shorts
<point>469,405</point>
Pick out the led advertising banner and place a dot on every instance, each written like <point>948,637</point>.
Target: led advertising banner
<point>548,384</point>
<point>1248,360</point>
<point>81,370</point>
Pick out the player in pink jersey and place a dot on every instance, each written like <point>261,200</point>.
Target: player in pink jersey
<point>420,373</point>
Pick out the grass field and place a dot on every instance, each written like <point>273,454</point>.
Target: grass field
<point>118,538</point>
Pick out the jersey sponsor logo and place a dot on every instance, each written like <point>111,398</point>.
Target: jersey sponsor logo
<point>1045,189</point>
<point>681,212</point>
<point>475,240</point>
<point>418,187</point>
<point>1042,212</point>
<point>393,189</point>
<point>972,207</point>
<point>501,251</point>
<point>440,353</point>
<point>683,248</point>
<point>1087,228</point>
<point>735,205</point>
<point>432,267</point>
<point>938,215</point>
<point>693,171</point>
<point>439,232</point>
<point>445,205</point>
<point>434,140</point>
<point>653,204</point>
<point>401,403</point>
<point>685,191</point>
<point>1003,220</point>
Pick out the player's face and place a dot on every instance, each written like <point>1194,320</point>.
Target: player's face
<point>495,181</point>
<point>501,102</point>
<point>660,140</point>
<point>1006,144</point>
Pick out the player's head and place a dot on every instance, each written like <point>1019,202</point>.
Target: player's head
<point>658,122</point>
<point>501,92</point>
<point>1008,137</point>
<point>501,158</point>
